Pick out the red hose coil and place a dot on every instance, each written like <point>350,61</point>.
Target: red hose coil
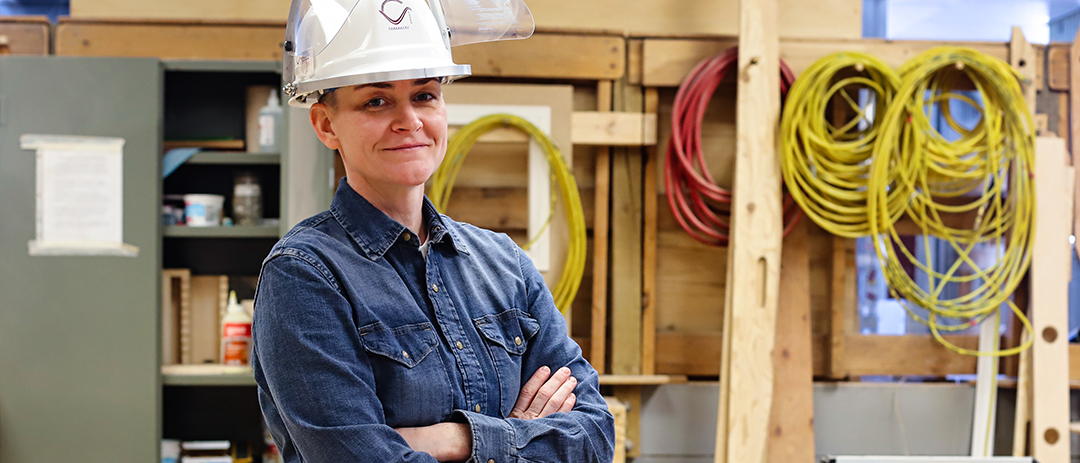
<point>690,189</point>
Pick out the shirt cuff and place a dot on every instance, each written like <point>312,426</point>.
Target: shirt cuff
<point>492,438</point>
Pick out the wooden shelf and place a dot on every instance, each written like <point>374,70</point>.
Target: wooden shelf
<point>237,231</point>
<point>206,375</point>
<point>640,380</point>
<point>232,157</point>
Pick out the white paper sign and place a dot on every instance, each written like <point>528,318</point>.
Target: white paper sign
<point>80,195</point>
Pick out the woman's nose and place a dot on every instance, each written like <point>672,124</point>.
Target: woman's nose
<point>407,119</point>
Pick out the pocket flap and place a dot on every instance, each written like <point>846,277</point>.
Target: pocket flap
<point>406,344</point>
<point>510,329</point>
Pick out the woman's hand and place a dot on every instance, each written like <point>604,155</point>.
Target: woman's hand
<point>539,398</point>
<point>443,441</point>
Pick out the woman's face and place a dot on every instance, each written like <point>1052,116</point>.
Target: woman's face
<point>390,134</point>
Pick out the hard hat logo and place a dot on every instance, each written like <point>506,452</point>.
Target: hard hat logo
<point>396,21</point>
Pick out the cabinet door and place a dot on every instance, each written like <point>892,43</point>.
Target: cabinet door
<point>79,350</point>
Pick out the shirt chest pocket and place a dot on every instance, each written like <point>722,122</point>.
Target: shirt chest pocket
<point>410,380</point>
<point>507,335</point>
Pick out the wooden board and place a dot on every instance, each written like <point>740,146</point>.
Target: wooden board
<point>24,35</point>
<point>1022,59</point>
<point>791,422</point>
<point>695,354</point>
<point>1057,59</point>
<point>175,300</point>
<point>842,309</point>
<point>618,411</point>
<point>666,62</point>
<point>626,245</point>
<point>170,40</point>
<point>209,298</point>
<point>754,247</point>
<point>614,129</point>
<point>549,56</point>
<point>1051,264</point>
<point>601,239</point>
<point>648,252</point>
<point>822,18</point>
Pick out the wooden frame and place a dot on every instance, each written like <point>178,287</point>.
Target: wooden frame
<point>24,35</point>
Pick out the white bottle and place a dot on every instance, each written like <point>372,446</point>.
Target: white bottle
<point>270,125</point>
<point>235,334</point>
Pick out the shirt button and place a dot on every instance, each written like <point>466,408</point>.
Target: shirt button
<point>405,354</point>
<point>460,345</point>
<point>517,340</point>
<point>477,408</point>
<point>491,460</point>
<point>435,288</point>
<point>407,236</point>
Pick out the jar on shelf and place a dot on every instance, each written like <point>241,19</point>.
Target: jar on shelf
<point>247,199</point>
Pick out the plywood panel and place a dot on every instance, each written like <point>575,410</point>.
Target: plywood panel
<point>821,18</point>
<point>548,55</point>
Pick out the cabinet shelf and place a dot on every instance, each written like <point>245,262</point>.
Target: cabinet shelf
<point>207,375</point>
<point>236,158</point>
<point>236,231</point>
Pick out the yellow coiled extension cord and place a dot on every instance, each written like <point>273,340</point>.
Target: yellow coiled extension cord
<point>442,183</point>
<point>826,168</point>
<point>987,172</point>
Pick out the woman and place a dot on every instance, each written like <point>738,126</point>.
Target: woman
<point>385,331</point>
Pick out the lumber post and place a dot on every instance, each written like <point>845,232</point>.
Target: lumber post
<point>598,348</point>
<point>746,374</point>
<point>1051,262</point>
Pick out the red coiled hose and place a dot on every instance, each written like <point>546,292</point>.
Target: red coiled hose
<point>691,192</point>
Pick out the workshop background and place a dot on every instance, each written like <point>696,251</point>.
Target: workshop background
<point>821,348</point>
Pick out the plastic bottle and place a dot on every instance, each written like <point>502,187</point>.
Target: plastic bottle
<point>247,199</point>
<point>270,125</point>
<point>235,334</point>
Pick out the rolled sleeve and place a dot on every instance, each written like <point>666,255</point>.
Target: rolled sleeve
<point>492,438</point>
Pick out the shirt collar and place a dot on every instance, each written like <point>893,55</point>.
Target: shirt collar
<point>375,232</point>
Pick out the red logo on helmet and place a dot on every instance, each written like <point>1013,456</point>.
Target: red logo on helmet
<point>400,17</point>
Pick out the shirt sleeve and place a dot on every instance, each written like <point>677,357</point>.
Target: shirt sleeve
<point>585,434</point>
<point>312,371</point>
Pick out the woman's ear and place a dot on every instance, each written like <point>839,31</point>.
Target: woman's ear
<point>320,120</point>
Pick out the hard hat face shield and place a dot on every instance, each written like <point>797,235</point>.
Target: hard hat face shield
<point>336,43</point>
<point>475,21</point>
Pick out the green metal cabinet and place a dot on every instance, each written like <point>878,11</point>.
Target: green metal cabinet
<point>79,350</point>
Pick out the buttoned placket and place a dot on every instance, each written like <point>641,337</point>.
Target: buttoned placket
<point>450,324</point>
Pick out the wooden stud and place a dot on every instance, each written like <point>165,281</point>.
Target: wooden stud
<point>626,234</point>
<point>1022,58</point>
<point>1022,418</point>
<point>754,249</point>
<point>1051,263</point>
<point>648,280</point>
<point>791,422</point>
<point>600,240</point>
<point>838,332</point>
<point>631,397</point>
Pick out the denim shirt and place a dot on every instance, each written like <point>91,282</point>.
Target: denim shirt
<point>355,333</point>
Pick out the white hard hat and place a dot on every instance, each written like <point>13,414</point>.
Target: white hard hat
<point>337,43</point>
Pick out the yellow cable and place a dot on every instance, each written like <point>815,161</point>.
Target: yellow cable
<point>987,173</point>
<point>442,184</point>
<point>826,167</point>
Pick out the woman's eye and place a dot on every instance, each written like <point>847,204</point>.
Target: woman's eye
<point>426,97</point>
<point>375,103</point>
